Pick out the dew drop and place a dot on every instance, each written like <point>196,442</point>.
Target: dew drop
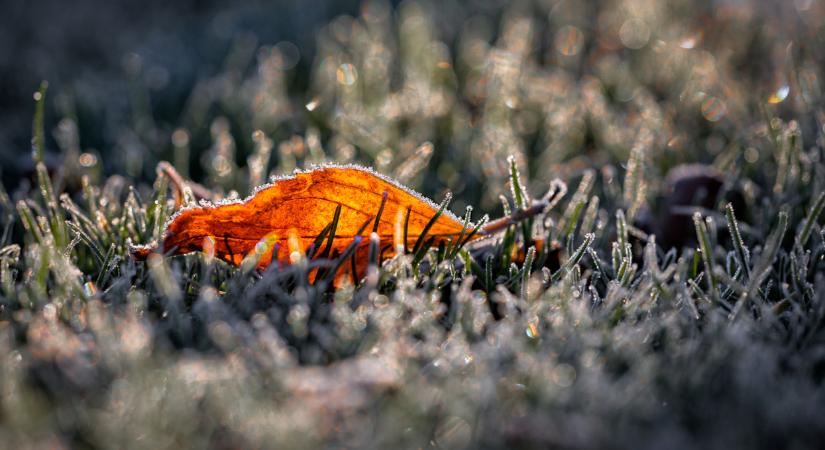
<point>532,331</point>
<point>569,40</point>
<point>779,95</point>
<point>713,109</point>
<point>89,289</point>
<point>261,247</point>
<point>346,74</point>
<point>87,159</point>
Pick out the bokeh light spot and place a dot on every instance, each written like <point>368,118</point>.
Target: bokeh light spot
<point>634,33</point>
<point>346,74</point>
<point>87,159</point>
<point>713,109</point>
<point>569,40</point>
<point>779,95</point>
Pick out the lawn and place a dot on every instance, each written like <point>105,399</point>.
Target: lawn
<point>638,184</point>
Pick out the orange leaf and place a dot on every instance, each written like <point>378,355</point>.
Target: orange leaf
<point>290,213</point>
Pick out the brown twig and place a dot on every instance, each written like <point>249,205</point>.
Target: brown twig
<point>520,215</point>
<point>179,184</point>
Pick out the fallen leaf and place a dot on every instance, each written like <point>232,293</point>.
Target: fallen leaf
<point>281,220</point>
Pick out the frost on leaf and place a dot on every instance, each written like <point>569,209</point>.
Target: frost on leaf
<point>293,211</point>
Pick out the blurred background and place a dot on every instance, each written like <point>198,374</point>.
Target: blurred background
<point>450,86</point>
<point>96,54</point>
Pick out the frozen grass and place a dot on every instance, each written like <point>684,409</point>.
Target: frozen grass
<point>652,305</point>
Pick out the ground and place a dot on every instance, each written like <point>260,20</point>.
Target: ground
<point>667,292</point>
